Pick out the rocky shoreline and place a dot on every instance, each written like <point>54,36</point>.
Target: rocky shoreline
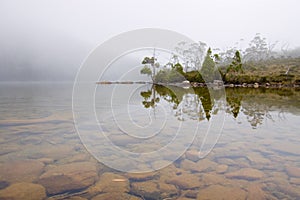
<point>215,84</point>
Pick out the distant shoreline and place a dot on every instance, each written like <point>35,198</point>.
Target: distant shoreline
<point>195,84</point>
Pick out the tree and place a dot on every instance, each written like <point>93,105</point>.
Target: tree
<point>236,64</point>
<point>208,69</point>
<point>258,49</point>
<point>150,62</point>
<point>193,55</point>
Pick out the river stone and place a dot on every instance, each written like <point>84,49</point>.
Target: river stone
<point>141,176</point>
<point>246,173</point>
<point>185,181</point>
<point>221,169</point>
<point>291,148</point>
<point>295,181</point>
<point>255,192</point>
<point>218,192</point>
<point>69,177</point>
<point>192,155</point>
<point>110,183</point>
<point>213,179</point>
<point>21,171</point>
<point>24,191</point>
<point>293,171</point>
<point>147,189</point>
<point>116,196</point>
<point>167,190</point>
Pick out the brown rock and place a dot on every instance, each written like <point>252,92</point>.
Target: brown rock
<point>21,170</point>
<point>295,181</point>
<point>110,183</point>
<point>293,171</point>
<point>255,192</point>
<point>148,189</point>
<point>221,169</point>
<point>116,196</point>
<point>167,190</point>
<point>141,176</point>
<point>185,181</point>
<point>24,191</point>
<point>246,173</point>
<point>218,192</point>
<point>192,155</point>
<point>67,177</point>
<point>213,179</point>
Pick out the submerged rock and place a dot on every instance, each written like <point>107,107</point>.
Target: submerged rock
<point>246,173</point>
<point>116,196</point>
<point>293,171</point>
<point>185,181</point>
<point>110,183</point>
<point>255,192</point>
<point>218,192</point>
<point>69,177</point>
<point>24,191</point>
<point>221,169</point>
<point>147,190</point>
<point>21,170</point>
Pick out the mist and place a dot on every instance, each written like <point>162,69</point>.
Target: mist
<point>48,40</point>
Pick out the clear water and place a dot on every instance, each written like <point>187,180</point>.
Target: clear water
<point>257,155</point>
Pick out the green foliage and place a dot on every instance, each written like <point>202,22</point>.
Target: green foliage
<point>236,64</point>
<point>208,67</point>
<point>194,76</point>
<point>146,70</point>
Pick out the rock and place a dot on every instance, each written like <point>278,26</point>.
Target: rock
<point>110,183</point>
<point>23,191</point>
<point>255,192</point>
<point>147,189</point>
<point>185,181</point>
<point>213,179</point>
<point>256,85</point>
<point>218,192</point>
<point>295,181</point>
<point>257,158</point>
<point>291,148</point>
<point>116,196</point>
<point>167,190</point>
<point>21,171</point>
<point>67,177</point>
<point>141,176</point>
<point>246,173</point>
<point>192,155</point>
<point>221,169</point>
<point>46,161</point>
<point>293,171</point>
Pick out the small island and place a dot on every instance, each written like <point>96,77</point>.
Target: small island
<point>196,65</point>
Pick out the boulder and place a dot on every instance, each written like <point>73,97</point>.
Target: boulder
<point>218,192</point>
<point>185,181</point>
<point>21,170</point>
<point>293,171</point>
<point>24,191</point>
<point>147,189</point>
<point>246,173</point>
<point>69,177</point>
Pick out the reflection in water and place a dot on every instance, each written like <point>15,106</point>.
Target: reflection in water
<point>41,155</point>
<point>197,103</point>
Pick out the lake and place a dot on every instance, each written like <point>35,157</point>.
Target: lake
<point>143,141</point>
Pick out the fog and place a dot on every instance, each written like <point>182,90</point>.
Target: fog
<point>48,40</point>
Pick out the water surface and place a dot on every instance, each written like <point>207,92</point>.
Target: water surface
<point>257,155</point>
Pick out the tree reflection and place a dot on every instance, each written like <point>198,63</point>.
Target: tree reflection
<point>256,105</point>
<point>193,103</point>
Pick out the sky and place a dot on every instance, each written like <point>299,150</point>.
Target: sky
<point>49,39</point>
